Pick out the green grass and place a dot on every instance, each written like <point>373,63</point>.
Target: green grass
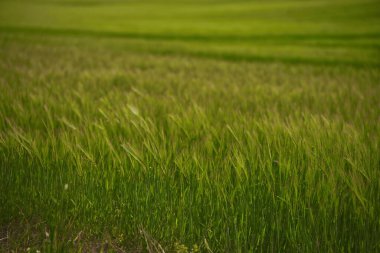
<point>213,125</point>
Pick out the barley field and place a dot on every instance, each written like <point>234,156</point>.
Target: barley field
<point>189,126</point>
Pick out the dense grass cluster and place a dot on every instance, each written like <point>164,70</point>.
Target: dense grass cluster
<point>116,137</point>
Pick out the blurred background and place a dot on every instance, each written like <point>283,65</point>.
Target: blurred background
<point>319,31</point>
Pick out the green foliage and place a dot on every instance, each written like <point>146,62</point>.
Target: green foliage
<point>127,131</point>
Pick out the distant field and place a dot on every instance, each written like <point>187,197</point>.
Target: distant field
<point>189,126</point>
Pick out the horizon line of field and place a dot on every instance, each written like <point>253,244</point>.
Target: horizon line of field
<point>219,55</point>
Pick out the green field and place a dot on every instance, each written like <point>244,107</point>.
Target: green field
<point>189,126</point>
